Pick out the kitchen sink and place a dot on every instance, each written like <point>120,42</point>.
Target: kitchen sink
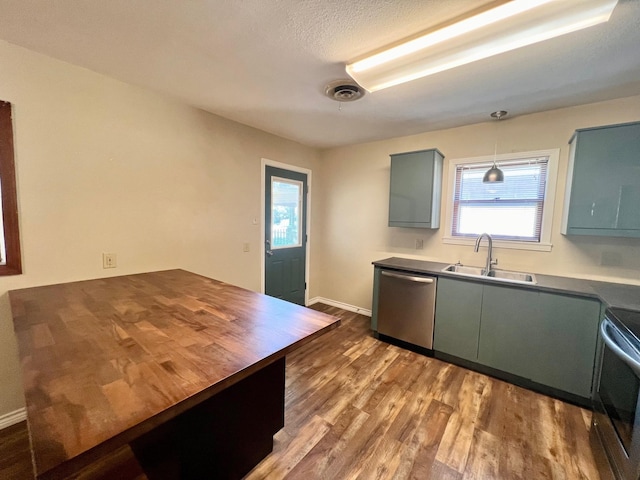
<point>506,276</point>
<point>512,276</point>
<point>464,270</point>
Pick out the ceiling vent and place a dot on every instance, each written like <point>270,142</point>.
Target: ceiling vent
<point>344,91</point>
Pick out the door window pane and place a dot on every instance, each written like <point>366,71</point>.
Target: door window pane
<point>286,205</point>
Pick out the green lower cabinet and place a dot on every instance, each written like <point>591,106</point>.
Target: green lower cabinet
<point>547,338</point>
<point>458,307</point>
<point>374,303</point>
<point>565,343</point>
<point>506,326</point>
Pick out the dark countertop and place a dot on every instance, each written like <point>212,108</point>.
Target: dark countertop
<point>616,295</point>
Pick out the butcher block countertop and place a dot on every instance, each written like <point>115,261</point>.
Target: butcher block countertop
<point>105,361</point>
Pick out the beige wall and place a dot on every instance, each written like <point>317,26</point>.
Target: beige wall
<point>103,166</point>
<point>353,214</point>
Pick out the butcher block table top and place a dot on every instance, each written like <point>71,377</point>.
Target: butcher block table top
<point>105,361</point>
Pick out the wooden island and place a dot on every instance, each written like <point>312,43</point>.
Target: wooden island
<point>187,370</point>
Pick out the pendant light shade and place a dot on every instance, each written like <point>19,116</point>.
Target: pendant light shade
<point>494,174</point>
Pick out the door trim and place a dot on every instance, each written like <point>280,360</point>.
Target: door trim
<point>293,168</point>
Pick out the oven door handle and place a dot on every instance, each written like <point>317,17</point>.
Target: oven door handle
<point>632,360</point>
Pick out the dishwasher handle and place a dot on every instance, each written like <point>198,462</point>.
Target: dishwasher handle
<point>408,278</point>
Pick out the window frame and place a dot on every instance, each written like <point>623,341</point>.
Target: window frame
<point>11,231</point>
<point>549,199</point>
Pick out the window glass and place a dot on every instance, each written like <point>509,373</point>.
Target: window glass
<point>286,205</point>
<point>511,210</point>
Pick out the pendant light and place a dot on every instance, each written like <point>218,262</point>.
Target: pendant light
<point>494,174</point>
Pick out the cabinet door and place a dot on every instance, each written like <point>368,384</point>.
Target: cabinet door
<point>564,344</point>
<point>544,337</point>
<point>457,325</point>
<point>507,325</point>
<point>376,296</point>
<point>605,182</point>
<point>414,194</point>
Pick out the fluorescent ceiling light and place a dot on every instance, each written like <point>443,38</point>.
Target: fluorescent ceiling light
<point>509,26</point>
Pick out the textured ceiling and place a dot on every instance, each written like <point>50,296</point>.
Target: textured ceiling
<point>265,63</point>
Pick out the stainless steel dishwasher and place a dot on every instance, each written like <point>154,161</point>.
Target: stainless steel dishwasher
<point>406,307</point>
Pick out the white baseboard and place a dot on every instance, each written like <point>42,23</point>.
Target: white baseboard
<point>12,418</point>
<point>344,306</point>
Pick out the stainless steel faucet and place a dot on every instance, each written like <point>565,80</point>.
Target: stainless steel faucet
<point>490,262</point>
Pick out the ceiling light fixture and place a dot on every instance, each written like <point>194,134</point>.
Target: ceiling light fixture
<point>506,27</point>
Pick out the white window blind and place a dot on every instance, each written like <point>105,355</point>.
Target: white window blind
<point>511,210</point>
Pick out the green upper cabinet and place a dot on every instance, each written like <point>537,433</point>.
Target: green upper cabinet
<point>603,182</point>
<point>415,190</point>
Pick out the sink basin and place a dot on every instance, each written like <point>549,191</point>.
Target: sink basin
<point>506,276</point>
<point>464,270</point>
<point>512,276</point>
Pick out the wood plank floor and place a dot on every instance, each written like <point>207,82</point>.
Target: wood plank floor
<point>358,408</point>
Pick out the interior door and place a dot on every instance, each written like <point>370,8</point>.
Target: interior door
<point>285,234</point>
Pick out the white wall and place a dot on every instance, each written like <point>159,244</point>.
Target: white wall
<point>103,166</point>
<point>353,214</point>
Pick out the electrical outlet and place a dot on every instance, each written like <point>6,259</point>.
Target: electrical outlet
<point>109,260</point>
<point>419,244</point>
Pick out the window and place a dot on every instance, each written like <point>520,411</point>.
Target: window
<point>10,261</point>
<point>286,205</point>
<point>517,213</point>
